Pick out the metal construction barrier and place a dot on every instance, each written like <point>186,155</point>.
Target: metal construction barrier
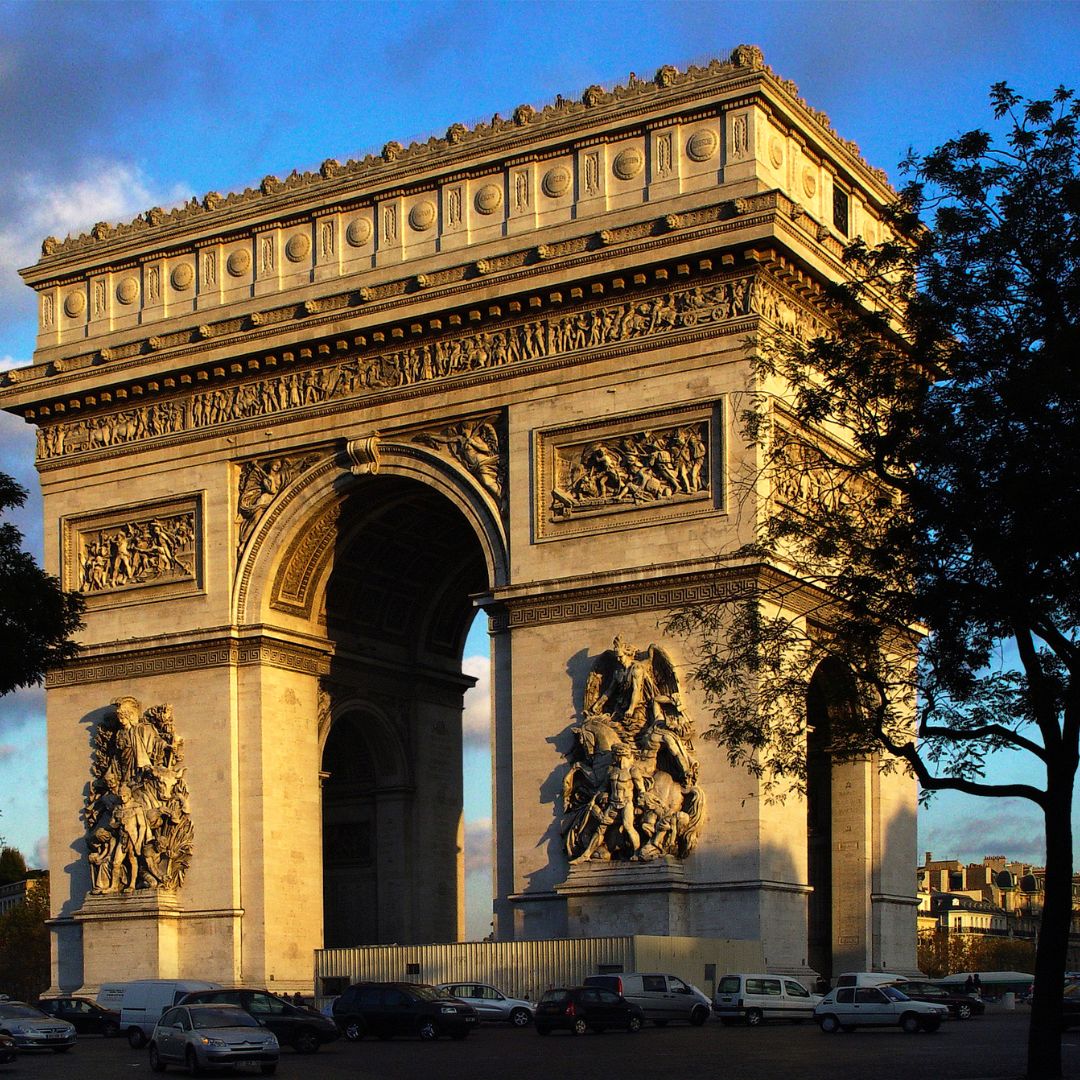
<point>527,968</point>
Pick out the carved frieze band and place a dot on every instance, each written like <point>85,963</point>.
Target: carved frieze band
<point>129,553</point>
<point>629,470</point>
<point>645,317</point>
<point>624,599</point>
<point>178,659</point>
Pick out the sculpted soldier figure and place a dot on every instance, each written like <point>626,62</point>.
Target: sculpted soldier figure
<point>614,808</point>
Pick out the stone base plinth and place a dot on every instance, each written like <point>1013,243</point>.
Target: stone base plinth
<point>149,935</point>
<point>604,898</point>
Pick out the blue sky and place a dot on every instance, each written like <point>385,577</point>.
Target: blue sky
<point>107,109</point>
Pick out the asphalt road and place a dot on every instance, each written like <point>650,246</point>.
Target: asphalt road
<point>987,1048</point>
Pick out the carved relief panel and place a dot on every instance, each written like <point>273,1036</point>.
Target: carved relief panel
<point>134,553</point>
<point>627,471</point>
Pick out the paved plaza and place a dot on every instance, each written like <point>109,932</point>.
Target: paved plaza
<point>986,1049</point>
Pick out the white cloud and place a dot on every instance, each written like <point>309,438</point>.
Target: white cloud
<point>41,853</point>
<point>9,362</point>
<point>478,847</point>
<point>476,720</point>
<point>36,205</point>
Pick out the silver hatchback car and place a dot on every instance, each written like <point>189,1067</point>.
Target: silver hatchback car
<point>208,1036</point>
<point>491,1004</point>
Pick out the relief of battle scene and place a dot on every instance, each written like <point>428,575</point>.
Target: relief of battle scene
<point>137,553</point>
<point>631,793</point>
<point>443,357</point>
<point>642,467</point>
<point>139,833</point>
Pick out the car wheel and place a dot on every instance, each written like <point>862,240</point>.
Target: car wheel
<point>753,1017</point>
<point>136,1039</point>
<point>155,1059</point>
<point>428,1031</point>
<point>268,1068</point>
<point>542,1030</point>
<point>829,1024</point>
<point>910,1023</point>
<point>306,1041</point>
<point>579,1027</point>
<point>699,1015</point>
<point>354,1029</point>
<point>963,1011</point>
<point>931,1024</point>
<point>193,1066</point>
<point>520,1018</point>
<point>110,1030</point>
<point>633,1025</point>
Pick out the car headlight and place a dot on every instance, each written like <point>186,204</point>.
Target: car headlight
<point>212,1042</point>
<point>448,1009</point>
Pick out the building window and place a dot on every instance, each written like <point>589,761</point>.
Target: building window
<point>840,209</point>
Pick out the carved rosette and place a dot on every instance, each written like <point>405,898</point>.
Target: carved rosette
<point>631,792</point>
<point>138,830</point>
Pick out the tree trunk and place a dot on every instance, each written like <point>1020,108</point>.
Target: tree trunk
<point>1044,1034</point>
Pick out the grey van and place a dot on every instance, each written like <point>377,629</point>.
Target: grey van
<point>661,997</point>
<point>753,999</point>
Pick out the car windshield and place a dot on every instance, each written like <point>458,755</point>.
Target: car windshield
<point>220,1018</point>
<point>426,993</point>
<point>21,1012</point>
<point>896,995</point>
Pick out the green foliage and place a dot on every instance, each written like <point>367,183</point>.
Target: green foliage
<point>922,527</point>
<point>941,953</point>
<point>37,617</point>
<point>12,865</point>
<point>24,945</point>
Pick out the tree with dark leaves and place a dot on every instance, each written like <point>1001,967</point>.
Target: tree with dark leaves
<point>915,500</point>
<point>37,617</point>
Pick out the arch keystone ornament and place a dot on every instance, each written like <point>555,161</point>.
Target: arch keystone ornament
<point>339,416</point>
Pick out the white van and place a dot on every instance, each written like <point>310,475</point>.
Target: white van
<point>661,997</point>
<point>753,999</point>
<point>144,1000</point>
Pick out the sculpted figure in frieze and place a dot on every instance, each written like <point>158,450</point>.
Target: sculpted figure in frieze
<point>441,358</point>
<point>260,483</point>
<point>631,791</point>
<point>138,553</point>
<point>475,444</point>
<point>642,467</point>
<point>139,832</point>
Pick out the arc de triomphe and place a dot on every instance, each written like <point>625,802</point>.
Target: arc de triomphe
<point>291,438</point>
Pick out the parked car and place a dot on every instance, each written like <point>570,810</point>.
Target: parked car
<point>847,1007</point>
<point>299,1026</point>
<point>85,1014</point>
<point>1070,1006</point>
<point>33,1030</point>
<point>490,1003</point>
<point>211,1036</point>
<point>581,1008</point>
<point>961,1006</point>
<point>8,1049</point>
<point>389,1009</point>
<point>661,998</point>
<point>754,999</point>
<point>143,1001</point>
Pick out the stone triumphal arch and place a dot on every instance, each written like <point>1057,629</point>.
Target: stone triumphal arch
<point>291,439</point>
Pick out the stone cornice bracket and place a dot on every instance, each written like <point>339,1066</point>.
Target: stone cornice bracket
<point>363,455</point>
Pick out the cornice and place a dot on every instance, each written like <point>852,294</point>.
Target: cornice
<point>461,148</point>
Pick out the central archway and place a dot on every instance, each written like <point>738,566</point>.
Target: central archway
<point>396,607</point>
